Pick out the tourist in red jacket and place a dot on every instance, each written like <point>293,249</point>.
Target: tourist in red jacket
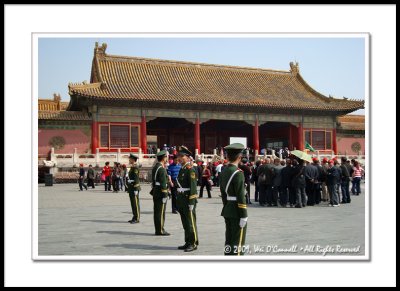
<point>107,173</point>
<point>205,177</point>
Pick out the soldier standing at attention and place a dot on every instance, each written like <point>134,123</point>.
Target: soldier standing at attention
<point>234,200</point>
<point>160,192</point>
<point>134,188</point>
<point>187,199</point>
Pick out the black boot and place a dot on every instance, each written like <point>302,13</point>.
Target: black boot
<point>184,247</point>
<point>190,248</point>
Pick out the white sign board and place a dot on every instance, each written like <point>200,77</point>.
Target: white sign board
<point>242,140</point>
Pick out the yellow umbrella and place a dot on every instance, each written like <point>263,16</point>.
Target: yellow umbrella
<point>302,155</point>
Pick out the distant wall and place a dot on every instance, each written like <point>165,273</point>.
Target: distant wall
<point>344,143</point>
<point>66,139</point>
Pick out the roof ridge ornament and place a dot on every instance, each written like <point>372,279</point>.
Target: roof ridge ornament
<point>103,85</point>
<point>294,68</point>
<point>100,50</point>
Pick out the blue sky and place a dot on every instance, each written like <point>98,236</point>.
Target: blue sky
<point>332,66</point>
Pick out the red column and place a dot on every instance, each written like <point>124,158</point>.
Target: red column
<point>300,142</point>
<point>197,134</point>
<point>256,142</point>
<point>143,135</point>
<point>290,137</point>
<point>334,142</point>
<point>95,136</point>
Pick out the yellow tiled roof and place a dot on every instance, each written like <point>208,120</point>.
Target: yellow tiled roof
<point>63,115</point>
<point>352,122</point>
<point>119,78</point>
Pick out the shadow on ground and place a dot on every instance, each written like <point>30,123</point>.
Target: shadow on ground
<point>125,232</point>
<point>140,247</point>
<point>104,221</point>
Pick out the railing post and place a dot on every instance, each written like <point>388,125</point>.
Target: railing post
<point>318,155</point>
<point>75,156</point>
<point>140,154</point>
<point>118,155</point>
<point>52,155</point>
<point>273,154</point>
<point>214,152</point>
<point>158,150</point>
<point>359,156</point>
<point>97,157</point>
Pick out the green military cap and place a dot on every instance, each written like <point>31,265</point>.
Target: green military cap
<point>238,147</point>
<point>161,153</point>
<point>132,156</point>
<point>184,151</point>
<point>234,148</point>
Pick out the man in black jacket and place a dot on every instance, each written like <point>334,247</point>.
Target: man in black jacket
<point>311,175</point>
<point>299,183</point>
<point>318,182</point>
<point>333,176</point>
<point>247,173</point>
<point>345,181</point>
<point>288,193</point>
<point>254,179</point>
<point>265,175</point>
<point>82,177</point>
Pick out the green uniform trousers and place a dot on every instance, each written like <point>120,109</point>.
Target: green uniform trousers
<point>235,237</point>
<point>159,215</point>
<point>189,224</point>
<point>135,205</point>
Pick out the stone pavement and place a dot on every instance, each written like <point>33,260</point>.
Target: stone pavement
<point>94,222</point>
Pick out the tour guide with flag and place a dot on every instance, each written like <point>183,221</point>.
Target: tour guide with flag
<point>160,192</point>
<point>187,199</point>
<point>134,188</point>
<point>234,200</point>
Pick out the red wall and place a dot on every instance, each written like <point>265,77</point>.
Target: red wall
<point>73,139</point>
<point>344,143</point>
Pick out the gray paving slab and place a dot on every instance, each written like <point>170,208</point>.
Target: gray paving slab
<point>94,223</point>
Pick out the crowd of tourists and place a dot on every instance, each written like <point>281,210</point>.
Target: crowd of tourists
<point>289,182</point>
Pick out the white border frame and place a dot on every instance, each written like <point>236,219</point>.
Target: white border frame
<point>35,97</point>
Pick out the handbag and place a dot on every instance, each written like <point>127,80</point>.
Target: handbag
<point>103,177</point>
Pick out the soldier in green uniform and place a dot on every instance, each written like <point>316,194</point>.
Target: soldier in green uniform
<point>134,188</point>
<point>234,199</point>
<point>187,199</point>
<point>160,192</point>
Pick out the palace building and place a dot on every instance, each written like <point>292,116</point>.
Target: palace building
<point>131,102</point>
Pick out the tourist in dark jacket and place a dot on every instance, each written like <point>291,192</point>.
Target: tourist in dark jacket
<point>90,176</point>
<point>265,175</point>
<point>318,181</point>
<point>332,178</point>
<point>82,178</point>
<point>299,183</point>
<point>254,179</point>
<point>311,175</point>
<point>345,181</point>
<point>276,182</point>
<point>287,191</point>
<point>247,174</point>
